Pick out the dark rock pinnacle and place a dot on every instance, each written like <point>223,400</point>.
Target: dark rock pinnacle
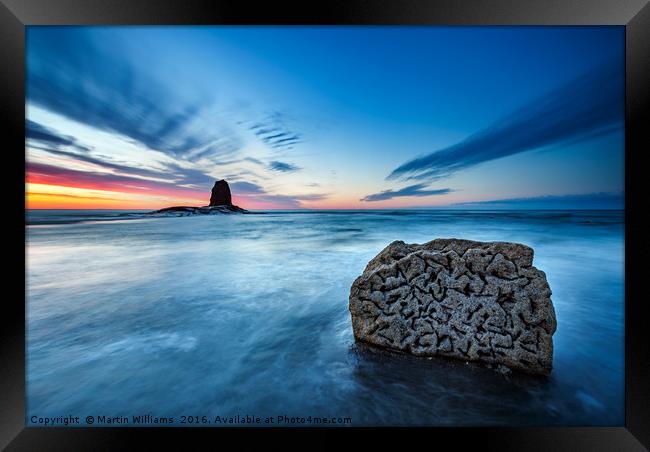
<point>220,194</point>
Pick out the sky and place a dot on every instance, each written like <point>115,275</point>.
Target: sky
<point>325,117</point>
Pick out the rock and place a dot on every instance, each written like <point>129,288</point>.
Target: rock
<point>475,301</point>
<point>503,370</point>
<point>184,211</point>
<point>220,194</point>
<point>220,202</point>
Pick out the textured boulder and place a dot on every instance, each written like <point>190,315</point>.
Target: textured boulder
<point>475,301</point>
<point>220,194</point>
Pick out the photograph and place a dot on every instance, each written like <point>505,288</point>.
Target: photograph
<point>325,226</point>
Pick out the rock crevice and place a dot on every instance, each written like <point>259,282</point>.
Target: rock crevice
<point>475,301</point>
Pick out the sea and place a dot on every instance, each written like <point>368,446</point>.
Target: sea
<point>231,320</point>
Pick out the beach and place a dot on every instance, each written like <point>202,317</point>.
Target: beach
<point>247,315</point>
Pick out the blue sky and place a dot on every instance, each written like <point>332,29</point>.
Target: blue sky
<point>325,117</point>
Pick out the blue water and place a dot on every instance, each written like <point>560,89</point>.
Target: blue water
<point>248,315</point>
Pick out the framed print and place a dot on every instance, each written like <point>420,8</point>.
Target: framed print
<point>376,215</point>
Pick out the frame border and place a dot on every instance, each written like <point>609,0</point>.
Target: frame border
<point>15,15</point>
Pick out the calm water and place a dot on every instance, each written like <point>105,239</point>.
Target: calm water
<point>248,314</point>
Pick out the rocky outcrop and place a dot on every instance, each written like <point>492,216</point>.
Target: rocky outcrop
<point>220,194</point>
<point>220,202</point>
<point>184,211</point>
<point>474,301</point>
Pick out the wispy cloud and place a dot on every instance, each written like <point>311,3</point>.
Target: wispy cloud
<point>283,167</point>
<point>246,188</point>
<point>65,195</point>
<point>111,92</point>
<point>135,171</point>
<point>255,193</point>
<point>187,176</point>
<point>80,77</point>
<point>39,133</point>
<point>276,132</point>
<point>41,173</point>
<point>248,192</point>
<point>412,190</point>
<point>599,200</point>
<point>586,107</point>
<point>48,140</point>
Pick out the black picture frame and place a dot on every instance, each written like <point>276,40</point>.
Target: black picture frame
<point>15,15</point>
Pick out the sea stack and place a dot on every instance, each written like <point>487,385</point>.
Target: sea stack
<point>220,202</point>
<point>220,194</point>
<point>473,301</point>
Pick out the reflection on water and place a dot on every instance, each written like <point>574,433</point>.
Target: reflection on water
<point>248,314</point>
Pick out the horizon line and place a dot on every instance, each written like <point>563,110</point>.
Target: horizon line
<point>361,209</point>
